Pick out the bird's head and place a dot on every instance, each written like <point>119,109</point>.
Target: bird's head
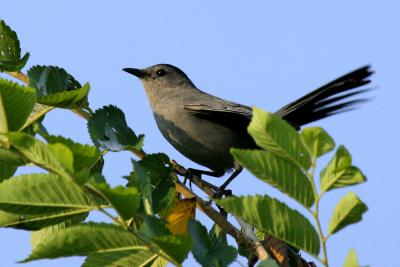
<point>161,78</point>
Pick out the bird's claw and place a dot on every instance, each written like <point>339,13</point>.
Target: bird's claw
<point>188,176</point>
<point>222,192</point>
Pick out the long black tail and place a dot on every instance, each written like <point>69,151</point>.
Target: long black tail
<point>328,100</point>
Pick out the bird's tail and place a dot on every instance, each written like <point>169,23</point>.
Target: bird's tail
<point>329,99</point>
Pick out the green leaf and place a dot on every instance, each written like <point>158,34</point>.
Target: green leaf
<point>278,172</point>
<point>317,140</point>
<point>175,246</point>
<point>268,263</point>
<point>125,200</point>
<point>50,79</point>
<point>40,154</point>
<point>9,162</point>
<point>38,236</point>
<point>6,170</point>
<point>16,103</point>
<point>10,156</point>
<point>86,239</point>
<point>158,168</point>
<point>67,99</point>
<point>85,156</point>
<point>38,221</point>
<point>10,51</point>
<point>275,218</point>
<point>144,185</point>
<point>108,129</point>
<point>348,210</point>
<point>339,172</point>
<point>63,155</point>
<point>351,259</point>
<point>217,235</point>
<point>278,137</point>
<point>205,251</point>
<point>33,125</point>
<point>139,258</point>
<point>42,193</point>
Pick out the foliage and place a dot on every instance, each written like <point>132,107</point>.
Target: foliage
<point>154,225</point>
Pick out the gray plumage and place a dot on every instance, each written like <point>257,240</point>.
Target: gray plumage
<point>203,127</point>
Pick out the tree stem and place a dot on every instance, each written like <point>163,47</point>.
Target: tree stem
<point>315,215</point>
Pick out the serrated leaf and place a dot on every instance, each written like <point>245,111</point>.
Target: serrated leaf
<point>351,259</point>
<point>85,156</point>
<point>6,170</point>
<point>34,222</point>
<point>39,153</point>
<point>278,137</point>
<point>181,214</point>
<point>42,193</point>
<point>317,140</point>
<point>38,236</point>
<point>31,125</point>
<point>108,129</point>
<point>51,79</point>
<point>86,239</point>
<point>278,172</point>
<point>275,218</point>
<point>164,197</point>
<point>348,210</point>
<point>10,51</point>
<point>125,200</point>
<point>63,155</point>
<point>205,252</point>
<point>139,258</point>
<point>339,172</point>
<point>10,156</point>
<point>16,103</point>
<point>175,246</point>
<point>217,235</point>
<point>158,168</point>
<point>268,263</point>
<point>144,185</point>
<point>67,99</point>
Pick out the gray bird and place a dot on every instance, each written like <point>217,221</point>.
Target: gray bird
<point>204,127</point>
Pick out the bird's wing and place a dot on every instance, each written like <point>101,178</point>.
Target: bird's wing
<point>228,114</point>
<point>330,99</point>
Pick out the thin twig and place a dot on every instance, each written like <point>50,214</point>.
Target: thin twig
<point>315,215</point>
<point>19,75</point>
<point>206,187</point>
<point>82,113</point>
<point>221,221</point>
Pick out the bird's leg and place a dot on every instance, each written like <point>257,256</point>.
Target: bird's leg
<point>195,172</point>
<point>221,190</point>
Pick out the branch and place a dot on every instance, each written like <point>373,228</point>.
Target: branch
<point>219,219</point>
<point>19,75</point>
<point>208,188</point>
<point>278,249</point>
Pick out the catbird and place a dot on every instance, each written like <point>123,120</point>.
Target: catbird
<point>204,127</point>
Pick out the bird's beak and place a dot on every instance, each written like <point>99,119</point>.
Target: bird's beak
<point>137,72</point>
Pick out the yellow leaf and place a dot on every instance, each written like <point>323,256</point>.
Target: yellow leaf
<point>179,218</point>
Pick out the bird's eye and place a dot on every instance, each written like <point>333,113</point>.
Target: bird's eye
<point>161,72</point>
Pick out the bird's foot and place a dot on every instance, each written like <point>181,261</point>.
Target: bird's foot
<point>189,175</point>
<point>222,192</point>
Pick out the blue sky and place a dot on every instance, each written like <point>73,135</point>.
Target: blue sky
<point>263,53</point>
